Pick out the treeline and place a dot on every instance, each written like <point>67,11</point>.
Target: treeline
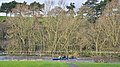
<point>91,30</point>
<point>19,8</point>
<point>36,8</point>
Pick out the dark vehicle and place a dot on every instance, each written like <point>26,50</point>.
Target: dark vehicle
<point>61,58</point>
<point>1,52</point>
<point>64,58</point>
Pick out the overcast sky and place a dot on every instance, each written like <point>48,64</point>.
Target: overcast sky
<point>78,3</point>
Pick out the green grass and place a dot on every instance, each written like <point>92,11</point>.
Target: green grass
<point>2,18</point>
<point>31,64</point>
<point>52,64</point>
<point>97,65</point>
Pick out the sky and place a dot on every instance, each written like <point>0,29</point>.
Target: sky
<point>78,3</point>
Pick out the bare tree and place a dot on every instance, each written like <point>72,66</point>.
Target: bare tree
<point>48,6</point>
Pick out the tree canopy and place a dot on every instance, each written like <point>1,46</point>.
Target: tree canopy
<point>7,7</point>
<point>94,9</point>
<point>71,6</point>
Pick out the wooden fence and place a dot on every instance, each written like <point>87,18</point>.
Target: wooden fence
<point>55,53</point>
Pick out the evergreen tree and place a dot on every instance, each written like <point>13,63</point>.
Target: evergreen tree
<point>94,9</point>
<point>71,7</point>
<point>36,6</point>
<point>7,7</point>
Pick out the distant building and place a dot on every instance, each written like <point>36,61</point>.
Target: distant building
<point>4,14</point>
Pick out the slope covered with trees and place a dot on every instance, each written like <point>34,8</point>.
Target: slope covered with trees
<point>59,31</point>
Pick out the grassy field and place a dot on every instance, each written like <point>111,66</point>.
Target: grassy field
<point>31,64</point>
<point>52,64</point>
<point>97,65</point>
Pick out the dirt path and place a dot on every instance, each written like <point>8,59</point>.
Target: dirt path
<point>71,65</point>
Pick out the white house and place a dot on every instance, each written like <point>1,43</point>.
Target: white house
<point>4,14</point>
